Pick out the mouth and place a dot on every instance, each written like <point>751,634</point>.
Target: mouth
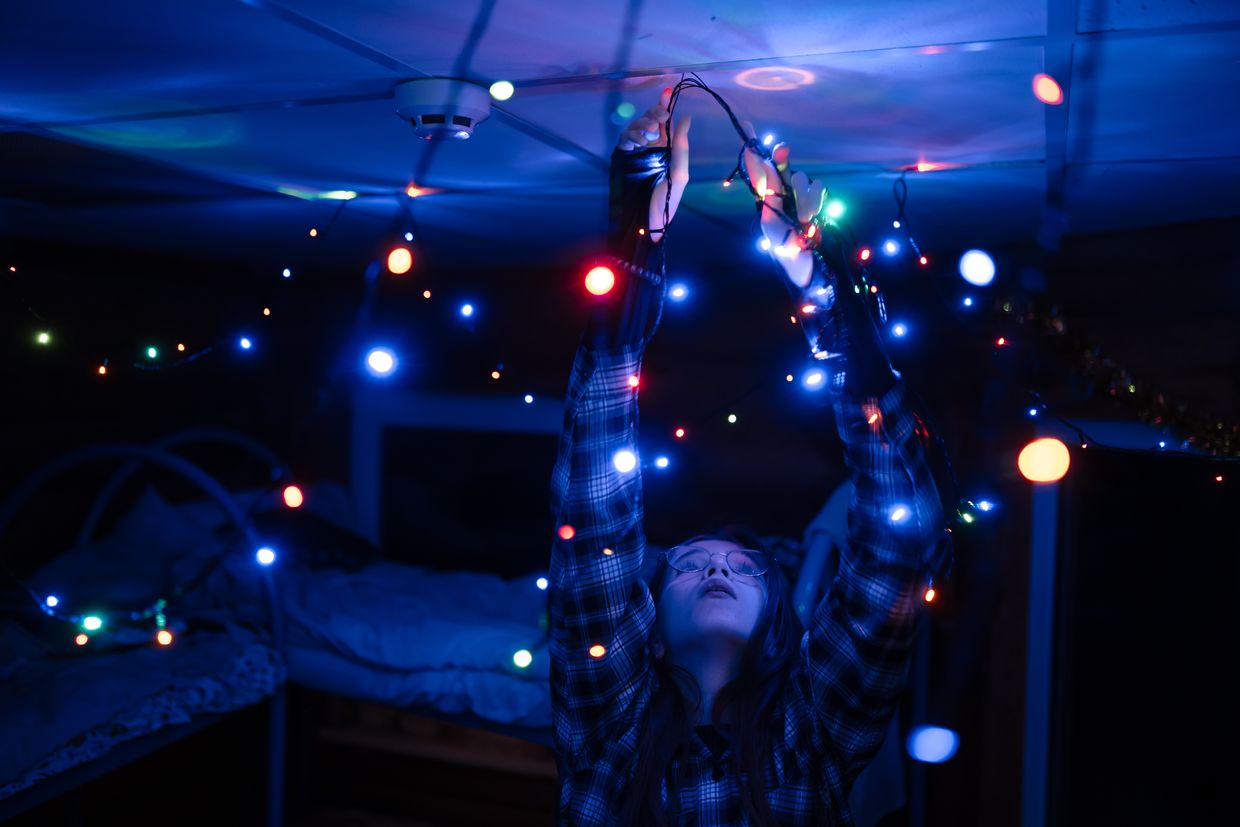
<point>718,588</point>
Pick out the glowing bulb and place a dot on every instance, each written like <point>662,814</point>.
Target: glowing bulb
<point>728,182</point>
<point>1033,411</point>
<point>287,273</point>
<point>624,461</point>
<point>266,311</point>
<point>1044,460</point>
<point>764,244</point>
<point>865,254</point>
<point>930,594</point>
<point>567,532</point>
<point>103,370</point>
<point>985,505</point>
<point>313,232</point>
<point>835,209</point>
<point>597,650</point>
<point>814,378</point>
<point>522,658</point>
<point>380,361</point>
<point>1218,477</point>
<point>807,309</point>
<point>414,191</point>
<point>1047,89</point>
<point>732,419</point>
<point>180,348</point>
<point>608,552</point>
<point>932,744</point>
<point>152,353</point>
<point>923,261</point>
<point>978,268</point>
<point>164,637</point>
<point>501,90</point>
<point>529,399</point>
<point>495,374</point>
<point>399,261</point>
<point>927,166</point>
<point>245,343</point>
<point>968,301</point>
<point>899,330</point>
<point>679,433</point>
<point>634,381</point>
<point>767,140</point>
<point>895,224</point>
<point>1001,341</point>
<point>293,497</point>
<point>899,514</point>
<point>541,583</point>
<point>890,247</point>
<point>408,236</point>
<point>265,555</point>
<point>92,623</point>
<point>52,601</point>
<point>426,294</point>
<point>678,292</point>
<point>467,310</point>
<point>43,338</point>
<point>82,640</point>
<point>662,462</point>
<point>600,281</point>
<point>788,378</point>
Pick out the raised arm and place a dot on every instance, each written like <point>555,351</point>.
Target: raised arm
<point>601,611</point>
<point>857,648</point>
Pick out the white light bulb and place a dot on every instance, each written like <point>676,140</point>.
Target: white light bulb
<point>625,461</point>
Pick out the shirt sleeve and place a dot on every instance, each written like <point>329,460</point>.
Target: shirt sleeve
<point>856,650</point>
<point>601,610</point>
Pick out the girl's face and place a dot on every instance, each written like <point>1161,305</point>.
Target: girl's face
<point>691,611</point>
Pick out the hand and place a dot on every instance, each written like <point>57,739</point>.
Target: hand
<point>787,246</point>
<point>650,131</point>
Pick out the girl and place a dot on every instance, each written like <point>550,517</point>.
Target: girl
<point>698,698</point>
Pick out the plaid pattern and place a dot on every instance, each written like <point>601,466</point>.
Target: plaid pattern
<point>833,714</point>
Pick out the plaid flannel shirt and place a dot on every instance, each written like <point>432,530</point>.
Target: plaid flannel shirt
<point>834,712</point>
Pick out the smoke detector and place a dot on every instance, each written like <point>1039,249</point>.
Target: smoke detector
<point>442,108</point>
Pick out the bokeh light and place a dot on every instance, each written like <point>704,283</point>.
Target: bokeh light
<point>399,261</point>
<point>1044,460</point>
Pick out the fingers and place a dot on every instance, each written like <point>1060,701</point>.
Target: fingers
<point>680,151</point>
<point>813,201</point>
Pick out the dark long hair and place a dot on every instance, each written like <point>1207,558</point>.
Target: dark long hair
<point>766,662</point>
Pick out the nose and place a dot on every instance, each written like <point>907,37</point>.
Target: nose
<point>722,568</point>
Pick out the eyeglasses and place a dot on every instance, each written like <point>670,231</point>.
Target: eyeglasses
<point>747,562</point>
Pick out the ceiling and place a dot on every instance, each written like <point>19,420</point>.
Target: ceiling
<point>180,126</point>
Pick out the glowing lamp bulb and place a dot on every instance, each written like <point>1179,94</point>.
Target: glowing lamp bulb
<point>1044,460</point>
<point>399,261</point>
<point>103,370</point>
<point>293,498</point>
<point>679,433</point>
<point>968,301</point>
<point>414,191</point>
<point>662,462</point>
<point>899,330</point>
<point>265,556</point>
<point>788,378</point>
<point>923,261</point>
<point>1033,411</point>
<point>567,532</point>
<point>152,353</point>
<point>495,374</point>
<point>52,601</point>
<point>287,273</point>
<point>1047,89</point>
<point>313,232</point>
<point>814,379</point>
<point>522,658</point>
<point>678,292</point>
<point>634,381</point>
<point>180,349</point>
<point>245,343</point>
<point>767,140</point>
<point>266,311</point>
<point>542,583</point>
<point>835,209</point>
<point>164,637</point>
<point>930,594</point>
<point>1001,341</point>
<point>44,338</point>
<point>92,623</point>
<point>899,514</point>
<point>467,310</point>
<point>865,254</point>
<point>597,650</point>
<point>529,399</point>
<point>977,268</point>
<point>732,419</point>
<point>932,744</point>
<point>600,281</point>
<point>890,247</point>
<point>985,505</point>
<point>380,361</point>
<point>426,294</point>
<point>624,461</point>
<point>501,90</point>
<point>82,640</point>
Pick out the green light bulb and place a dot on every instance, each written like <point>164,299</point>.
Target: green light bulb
<point>152,353</point>
<point>92,623</point>
<point>835,209</point>
<point>44,338</point>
